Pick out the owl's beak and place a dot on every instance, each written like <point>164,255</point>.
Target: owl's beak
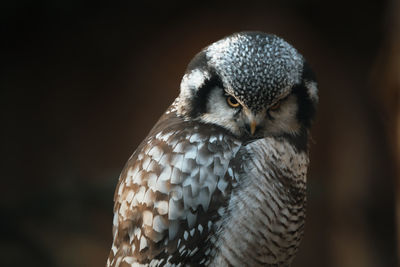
<point>253,125</point>
<point>251,120</point>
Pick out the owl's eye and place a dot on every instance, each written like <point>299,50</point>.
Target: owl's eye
<point>232,102</point>
<point>275,106</point>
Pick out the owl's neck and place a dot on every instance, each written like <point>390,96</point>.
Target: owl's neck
<point>266,213</point>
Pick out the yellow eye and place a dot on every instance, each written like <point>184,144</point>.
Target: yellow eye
<point>275,106</point>
<point>232,102</point>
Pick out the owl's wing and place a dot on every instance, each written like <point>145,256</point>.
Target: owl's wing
<point>169,194</point>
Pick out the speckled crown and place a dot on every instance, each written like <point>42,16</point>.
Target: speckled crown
<point>256,67</point>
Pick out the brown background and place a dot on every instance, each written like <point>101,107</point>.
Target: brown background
<point>82,84</point>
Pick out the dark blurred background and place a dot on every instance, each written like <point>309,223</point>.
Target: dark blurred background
<point>82,84</point>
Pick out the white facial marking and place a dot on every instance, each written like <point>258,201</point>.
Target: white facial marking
<point>312,90</point>
<point>218,112</point>
<point>284,119</point>
<point>193,80</point>
<point>189,85</point>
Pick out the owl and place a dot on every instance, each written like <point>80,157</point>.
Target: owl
<point>221,178</point>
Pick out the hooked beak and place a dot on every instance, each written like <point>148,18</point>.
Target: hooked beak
<point>252,120</point>
<point>253,125</point>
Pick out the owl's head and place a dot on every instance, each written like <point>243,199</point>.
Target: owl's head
<point>252,84</point>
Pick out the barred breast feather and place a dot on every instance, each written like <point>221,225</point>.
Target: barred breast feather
<point>264,221</point>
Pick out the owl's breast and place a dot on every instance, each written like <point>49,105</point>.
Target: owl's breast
<point>265,218</point>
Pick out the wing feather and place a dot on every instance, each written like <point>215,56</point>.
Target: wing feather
<point>169,193</point>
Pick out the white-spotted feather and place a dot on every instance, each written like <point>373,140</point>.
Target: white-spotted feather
<point>168,189</point>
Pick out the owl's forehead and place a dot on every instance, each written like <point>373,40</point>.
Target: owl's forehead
<point>257,68</point>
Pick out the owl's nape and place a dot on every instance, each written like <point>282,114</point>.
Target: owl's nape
<point>272,87</point>
<point>221,178</point>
